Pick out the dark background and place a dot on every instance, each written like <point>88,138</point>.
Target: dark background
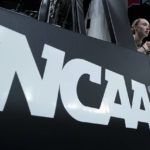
<point>25,4</point>
<point>139,11</point>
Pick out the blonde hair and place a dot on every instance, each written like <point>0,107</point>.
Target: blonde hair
<point>134,24</point>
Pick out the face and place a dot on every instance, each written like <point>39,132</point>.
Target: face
<point>143,28</point>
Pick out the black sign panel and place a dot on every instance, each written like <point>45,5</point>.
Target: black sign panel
<point>21,130</point>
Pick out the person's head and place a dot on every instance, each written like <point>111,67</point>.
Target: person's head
<point>140,28</point>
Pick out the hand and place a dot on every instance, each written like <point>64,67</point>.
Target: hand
<point>148,44</point>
